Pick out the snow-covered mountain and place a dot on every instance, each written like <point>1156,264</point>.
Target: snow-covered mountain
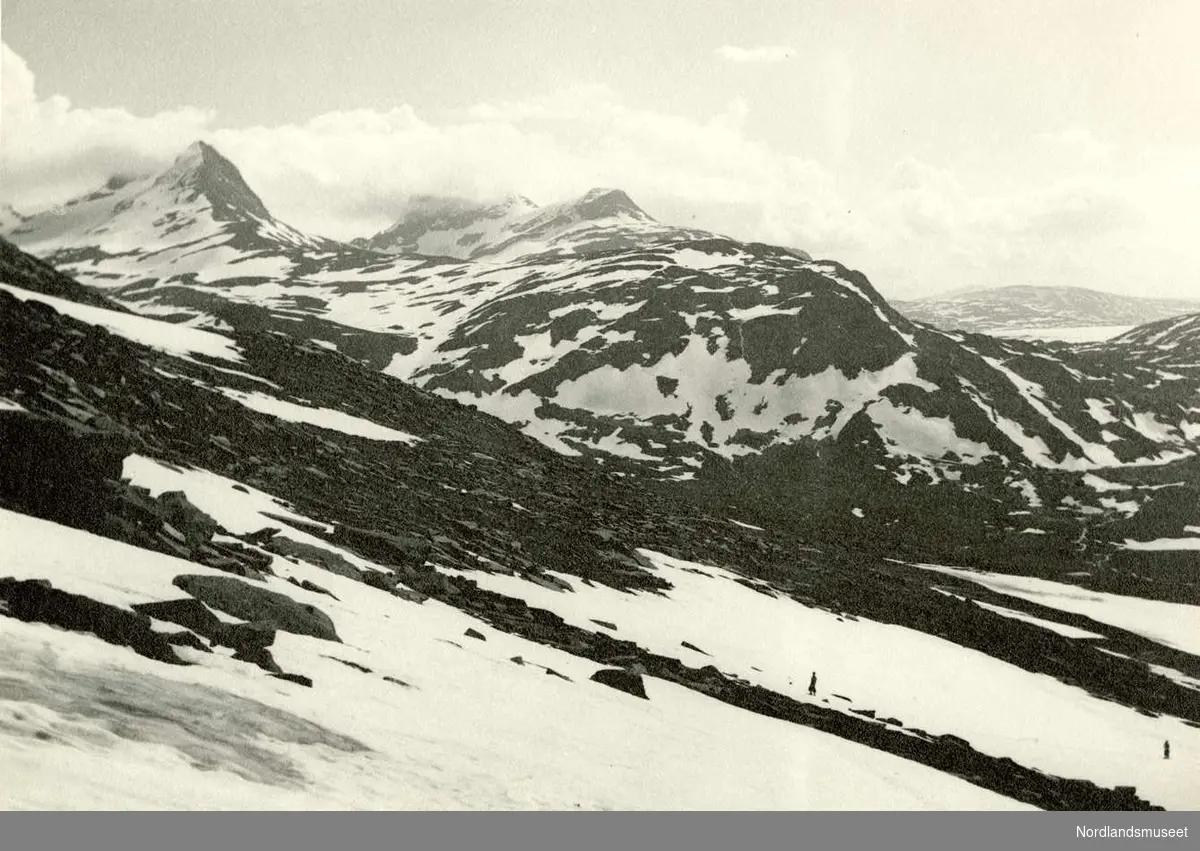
<point>443,226</point>
<point>1068,313</point>
<point>600,220</point>
<point>243,571</point>
<point>199,208</point>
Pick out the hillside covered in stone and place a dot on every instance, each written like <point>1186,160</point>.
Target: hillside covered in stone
<point>245,516</point>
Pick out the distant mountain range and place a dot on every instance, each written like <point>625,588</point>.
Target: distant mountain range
<point>1028,310</point>
<point>600,220</point>
<point>600,331</point>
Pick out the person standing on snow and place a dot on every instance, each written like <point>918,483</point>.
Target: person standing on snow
<point>812,684</point>
<point>1166,750</point>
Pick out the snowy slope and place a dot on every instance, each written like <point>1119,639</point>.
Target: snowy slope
<point>355,740</point>
<point>197,216</point>
<point>1167,623</point>
<point>1171,344</point>
<point>600,220</point>
<point>1064,334</point>
<point>175,339</point>
<point>1045,723</point>
<point>448,227</point>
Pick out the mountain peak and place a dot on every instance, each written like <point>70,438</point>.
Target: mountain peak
<point>602,202</point>
<point>196,156</point>
<point>197,149</point>
<point>517,200</point>
<point>602,192</point>
<point>201,170</point>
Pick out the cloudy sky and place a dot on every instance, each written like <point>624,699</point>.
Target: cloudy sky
<point>933,144</point>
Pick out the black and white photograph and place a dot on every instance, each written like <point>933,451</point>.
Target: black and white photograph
<point>475,405</point>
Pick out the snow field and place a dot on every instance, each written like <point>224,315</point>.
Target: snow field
<point>922,680</point>
<point>472,730</point>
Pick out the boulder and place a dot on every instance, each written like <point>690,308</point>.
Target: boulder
<point>260,656</point>
<point>186,638</point>
<point>547,581</point>
<point>186,520</point>
<point>384,580</point>
<point>36,601</point>
<point>262,536</point>
<point>247,636</point>
<point>251,603</point>
<point>409,595</point>
<point>234,558</point>
<point>319,556</point>
<point>189,613</point>
<point>192,614</point>
<point>622,680</point>
<point>295,678</point>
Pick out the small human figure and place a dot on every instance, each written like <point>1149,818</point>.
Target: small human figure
<point>812,684</point>
<point>1166,750</point>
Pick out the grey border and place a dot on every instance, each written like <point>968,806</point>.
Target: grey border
<point>465,831</point>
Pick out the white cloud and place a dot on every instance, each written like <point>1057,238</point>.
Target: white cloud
<point>346,173</point>
<point>1080,214</point>
<point>929,228</point>
<point>50,150</point>
<point>1078,148</point>
<point>360,166</point>
<point>765,53</point>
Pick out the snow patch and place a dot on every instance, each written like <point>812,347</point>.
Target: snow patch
<point>163,336</point>
<point>325,418</point>
<point>1174,624</point>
